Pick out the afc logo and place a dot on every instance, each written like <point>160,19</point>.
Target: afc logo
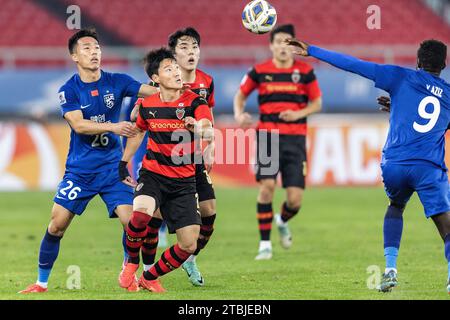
<point>109,100</point>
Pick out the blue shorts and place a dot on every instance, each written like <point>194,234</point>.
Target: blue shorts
<point>430,183</point>
<point>76,190</point>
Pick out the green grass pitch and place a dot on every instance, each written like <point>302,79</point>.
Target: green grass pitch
<point>337,237</point>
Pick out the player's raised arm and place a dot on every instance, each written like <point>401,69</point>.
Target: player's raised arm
<point>89,127</point>
<point>339,60</point>
<point>386,77</point>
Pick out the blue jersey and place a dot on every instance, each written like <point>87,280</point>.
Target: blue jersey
<point>99,101</point>
<point>419,117</point>
<point>420,107</point>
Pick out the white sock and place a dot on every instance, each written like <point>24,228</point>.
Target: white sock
<point>147,266</point>
<point>191,258</point>
<point>279,221</point>
<point>42,284</point>
<point>265,244</point>
<point>387,270</point>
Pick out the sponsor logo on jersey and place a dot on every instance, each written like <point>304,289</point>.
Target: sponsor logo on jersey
<point>167,125</point>
<point>109,100</point>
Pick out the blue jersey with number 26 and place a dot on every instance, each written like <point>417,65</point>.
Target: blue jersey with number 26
<point>99,101</point>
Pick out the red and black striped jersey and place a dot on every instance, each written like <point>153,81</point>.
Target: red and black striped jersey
<point>280,90</point>
<point>170,146</point>
<point>203,86</point>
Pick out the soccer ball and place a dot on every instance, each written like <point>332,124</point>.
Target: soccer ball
<point>259,16</point>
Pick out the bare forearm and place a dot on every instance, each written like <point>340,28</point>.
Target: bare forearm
<point>132,146</point>
<point>89,127</point>
<point>239,104</point>
<point>313,107</point>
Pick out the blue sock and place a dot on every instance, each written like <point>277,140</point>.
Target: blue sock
<point>447,251</point>
<point>47,256</point>
<point>124,244</point>
<point>392,231</point>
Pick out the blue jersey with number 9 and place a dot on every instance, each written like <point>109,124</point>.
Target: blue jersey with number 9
<point>419,118</point>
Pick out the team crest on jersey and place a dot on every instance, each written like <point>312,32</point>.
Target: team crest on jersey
<point>109,100</point>
<point>296,76</point>
<point>203,93</point>
<point>180,113</point>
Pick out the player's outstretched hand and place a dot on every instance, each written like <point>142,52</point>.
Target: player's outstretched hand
<point>301,48</point>
<point>124,175</point>
<point>244,120</point>
<point>385,103</point>
<point>190,122</point>
<point>125,129</point>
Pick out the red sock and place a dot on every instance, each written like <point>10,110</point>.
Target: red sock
<point>170,260</point>
<point>265,217</point>
<point>206,230</point>
<point>136,232</point>
<point>150,244</point>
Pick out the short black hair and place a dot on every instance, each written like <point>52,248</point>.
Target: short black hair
<point>88,32</point>
<point>285,28</point>
<point>153,59</point>
<point>187,32</point>
<point>432,55</point>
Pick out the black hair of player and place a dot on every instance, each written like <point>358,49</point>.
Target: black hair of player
<point>431,56</point>
<point>88,32</point>
<point>284,28</point>
<point>187,32</point>
<point>153,59</point>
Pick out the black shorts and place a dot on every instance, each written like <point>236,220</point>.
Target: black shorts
<point>288,157</point>
<point>203,182</point>
<point>176,198</point>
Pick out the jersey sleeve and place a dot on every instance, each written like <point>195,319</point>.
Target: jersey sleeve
<point>249,82</point>
<point>140,122</point>
<point>201,109</point>
<point>130,87</point>
<point>388,77</point>
<point>312,86</point>
<point>68,100</point>
<point>211,100</point>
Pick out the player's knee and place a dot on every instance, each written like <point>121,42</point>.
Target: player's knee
<point>294,203</point>
<point>56,228</point>
<point>397,206</point>
<point>188,246</point>
<point>207,208</point>
<point>266,192</point>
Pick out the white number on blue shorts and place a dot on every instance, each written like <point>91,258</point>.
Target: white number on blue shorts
<point>73,193</point>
